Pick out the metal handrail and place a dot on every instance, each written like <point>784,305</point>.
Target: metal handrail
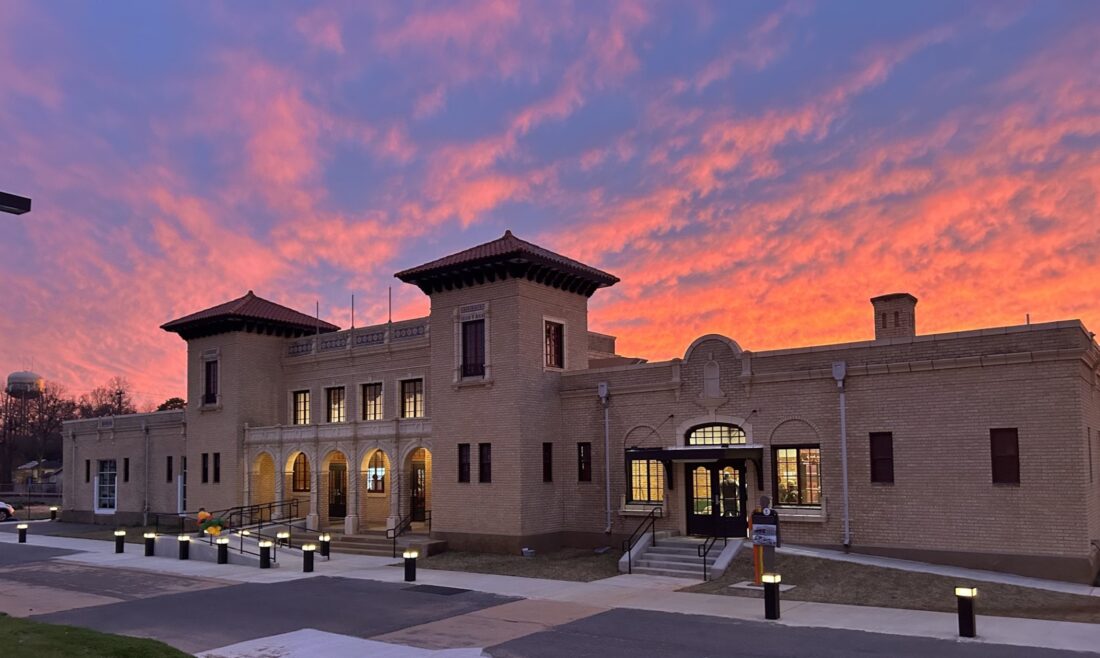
<point>705,549</point>
<point>650,523</point>
<point>404,525</point>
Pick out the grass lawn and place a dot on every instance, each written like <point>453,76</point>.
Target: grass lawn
<point>832,581</point>
<point>21,637</point>
<point>575,564</point>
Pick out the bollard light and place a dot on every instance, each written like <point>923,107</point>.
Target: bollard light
<point>150,544</point>
<point>410,565</point>
<point>307,557</point>
<point>265,553</point>
<point>284,537</point>
<point>771,595</point>
<point>185,546</point>
<point>22,528</point>
<point>968,626</point>
<point>53,513</point>
<point>223,549</point>
<point>120,541</point>
<point>326,544</point>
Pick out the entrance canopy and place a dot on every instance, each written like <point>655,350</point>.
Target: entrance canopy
<point>697,453</point>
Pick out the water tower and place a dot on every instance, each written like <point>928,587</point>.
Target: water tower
<point>23,388</point>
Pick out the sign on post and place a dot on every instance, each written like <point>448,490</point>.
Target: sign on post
<point>764,535</point>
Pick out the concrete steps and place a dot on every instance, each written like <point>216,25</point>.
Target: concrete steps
<point>375,544</point>
<point>674,556</point>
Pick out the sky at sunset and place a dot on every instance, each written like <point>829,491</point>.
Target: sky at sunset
<point>756,169</point>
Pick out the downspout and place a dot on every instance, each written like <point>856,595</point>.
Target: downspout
<point>605,399</point>
<point>145,487</point>
<point>840,370</point>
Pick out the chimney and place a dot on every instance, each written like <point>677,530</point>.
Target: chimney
<point>895,315</point>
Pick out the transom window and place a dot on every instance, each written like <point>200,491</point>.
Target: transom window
<point>372,401</point>
<point>300,477</point>
<point>336,405</point>
<point>798,475</point>
<point>412,398</point>
<point>716,434</point>
<point>105,489</point>
<point>647,481</point>
<point>301,408</point>
<point>376,473</point>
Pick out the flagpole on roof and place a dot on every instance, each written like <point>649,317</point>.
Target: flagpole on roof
<point>390,291</point>
<point>353,310</point>
<point>317,326</point>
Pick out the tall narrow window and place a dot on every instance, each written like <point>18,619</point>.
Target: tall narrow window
<point>205,467</point>
<point>301,408</point>
<point>882,457</point>
<point>484,462</point>
<point>647,481</point>
<point>125,469</point>
<point>87,470</point>
<point>1004,449</point>
<point>217,467</point>
<point>210,383</point>
<point>797,475</point>
<point>105,486</point>
<point>584,462</point>
<point>883,320</point>
<point>372,401</point>
<point>169,474</point>
<point>464,462</point>
<point>555,345</point>
<point>412,398</point>
<point>376,473</point>
<point>300,475</point>
<point>547,462</point>
<point>335,405</point>
<point>897,319</point>
<point>473,348</point>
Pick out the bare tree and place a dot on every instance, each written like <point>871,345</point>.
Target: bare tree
<point>115,398</point>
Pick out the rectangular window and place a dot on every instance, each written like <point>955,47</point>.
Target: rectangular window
<point>555,345</point>
<point>412,398</point>
<point>584,462</point>
<point>1088,442</point>
<point>87,470</point>
<point>798,475</point>
<point>301,408</point>
<point>125,469</point>
<point>548,462</point>
<point>1004,450</point>
<point>372,401</point>
<point>210,383</point>
<point>217,467</point>
<point>647,481</point>
<point>464,462</point>
<point>205,467</point>
<point>473,348</point>
<point>335,405</point>
<point>105,485</point>
<point>882,457</point>
<point>484,462</point>
<point>169,474</point>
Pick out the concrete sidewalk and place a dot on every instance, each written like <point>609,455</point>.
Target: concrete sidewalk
<point>627,591</point>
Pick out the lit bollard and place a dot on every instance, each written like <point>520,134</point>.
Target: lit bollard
<point>150,544</point>
<point>968,626</point>
<point>410,566</point>
<point>265,554</point>
<point>53,513</point>
<point>120,541</point>
<point>185,546</point>
<point>22,528</point>
<point>307,557</point>
<point>326,544</point>
<point>771,595</point>
<point>223,549</point>
<point>284,538</point>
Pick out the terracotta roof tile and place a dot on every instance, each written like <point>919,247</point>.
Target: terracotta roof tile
<point>250,307</point>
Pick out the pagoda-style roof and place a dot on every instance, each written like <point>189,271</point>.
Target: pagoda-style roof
<point>507,256</point>
<point>249,313</point>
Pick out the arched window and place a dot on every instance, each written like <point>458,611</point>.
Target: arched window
<point>716,434</point>
<point>300,478</point>
<point>376,473</point>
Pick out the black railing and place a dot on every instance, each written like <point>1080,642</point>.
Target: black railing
<point>705,549</point>
<point>648,523</point>
<point>404,525</point>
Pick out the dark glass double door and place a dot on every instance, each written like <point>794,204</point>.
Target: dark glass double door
<point>716,498</point>
<point>338,490</point>
<point>418,491</point>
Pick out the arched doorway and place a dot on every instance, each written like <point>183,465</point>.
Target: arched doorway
<point>716,490</point>
<point>298,482</point>
<point>419,488</point>
<point>263,480</point>
<point>334,473</point>
<point>376,491</point>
